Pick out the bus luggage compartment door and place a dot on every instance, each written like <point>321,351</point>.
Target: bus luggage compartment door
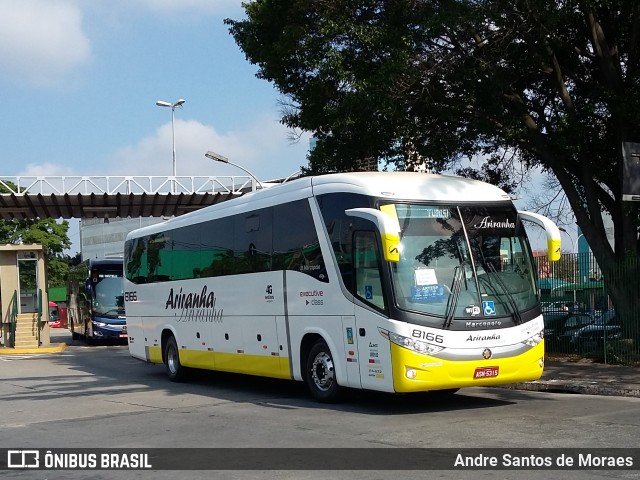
<point>351,350</point>
<point>136,338</point>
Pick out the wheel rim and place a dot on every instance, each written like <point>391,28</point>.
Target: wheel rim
<point>172,360</point>
<point>322,371</point>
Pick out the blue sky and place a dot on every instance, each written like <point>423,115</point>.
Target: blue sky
<point>80,80</point>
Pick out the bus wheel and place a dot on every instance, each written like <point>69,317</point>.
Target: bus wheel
<point>321,375</point>
<point>175,371</point>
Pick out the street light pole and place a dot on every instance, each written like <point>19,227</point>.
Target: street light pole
<point>567,232</point>
<point>577,255</point>
<point>177,103</point>
<point>575,245</point>
<point>291,176</point>
<point>221,158</point>
<point>576,267</point>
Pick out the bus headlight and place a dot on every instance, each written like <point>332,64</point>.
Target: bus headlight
<point>99,324</point>
<point>534,339</point>
<point>417,346</point>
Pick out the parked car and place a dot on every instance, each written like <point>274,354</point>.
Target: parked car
<point>553,322</point>
<point>550,307</point>
<point>594,336</point>
<point>559,328</point>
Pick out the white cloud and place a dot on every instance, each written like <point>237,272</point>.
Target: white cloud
<point>44,170</point>
<point>201,6</point>
<point>41,41</point>
<point>262,148</point>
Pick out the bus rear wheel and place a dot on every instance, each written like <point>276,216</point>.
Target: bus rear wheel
<point>175,371</point>
<point>321,375</point>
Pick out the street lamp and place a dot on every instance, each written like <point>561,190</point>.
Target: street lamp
<point>575,245</point>
<point>297,172</point>
<point>576,267</point>
<point>172,106</point>
<point>221,158</point>
<point>577,255</point>
<point>568,234</point>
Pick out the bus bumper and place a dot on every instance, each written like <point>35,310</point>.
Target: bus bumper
<point>109,332</point>
<point>414,372</point>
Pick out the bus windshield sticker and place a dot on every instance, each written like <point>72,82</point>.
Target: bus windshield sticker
<point>488,307</point>
<point>427,293</point>
<point>472,310</point>
<point>368,292</point>
<point>425,276</point>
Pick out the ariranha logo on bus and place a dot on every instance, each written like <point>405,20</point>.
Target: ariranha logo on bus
<point>194,306</point>
<point>487,222</point>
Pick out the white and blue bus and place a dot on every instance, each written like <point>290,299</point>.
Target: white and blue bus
<point>389,281</point>
<point>95,300</point>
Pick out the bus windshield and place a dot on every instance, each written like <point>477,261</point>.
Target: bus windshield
<point>109,299</point>
<point>462,261</point>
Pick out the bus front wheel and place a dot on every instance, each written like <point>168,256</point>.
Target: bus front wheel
<point>175,371</point>
<point>321,374</point>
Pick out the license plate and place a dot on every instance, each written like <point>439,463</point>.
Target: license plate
<point>123,335</point>
<point>485,372</point>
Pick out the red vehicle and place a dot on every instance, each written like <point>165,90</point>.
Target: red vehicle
<point>54,316</point>
<point>57,316</point>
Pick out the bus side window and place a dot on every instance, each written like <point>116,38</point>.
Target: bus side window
<point>340,228</point>
<point>366,259</point>
<point>295,241</point>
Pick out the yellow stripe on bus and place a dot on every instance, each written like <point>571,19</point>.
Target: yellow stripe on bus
<point>154,354</point>
<point>263,366</point>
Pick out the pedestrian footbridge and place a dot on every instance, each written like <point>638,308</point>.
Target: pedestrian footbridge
<point>114,196</point>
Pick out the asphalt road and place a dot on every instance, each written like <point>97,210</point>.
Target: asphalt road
<point>100,397</point>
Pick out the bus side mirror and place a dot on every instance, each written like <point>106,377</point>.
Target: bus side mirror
<point>388,227</point>
<point>553,233</point>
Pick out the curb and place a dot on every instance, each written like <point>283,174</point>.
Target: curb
<point>56,348</point>
<point>586,388</point>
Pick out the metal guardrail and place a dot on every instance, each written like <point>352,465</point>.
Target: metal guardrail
<point>111,185</point>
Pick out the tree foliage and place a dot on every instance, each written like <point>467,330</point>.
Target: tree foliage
<point>43,231</point>
<point>53,237</point>
<point>554,84</point>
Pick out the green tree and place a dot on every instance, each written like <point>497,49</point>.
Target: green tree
<point>44,231</point>
<point>554,84</point>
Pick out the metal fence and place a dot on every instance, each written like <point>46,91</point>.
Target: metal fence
<point>579,313</point>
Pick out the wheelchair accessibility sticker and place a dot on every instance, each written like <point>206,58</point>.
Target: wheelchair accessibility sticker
<point>488,308</point>
<point>368,292</point>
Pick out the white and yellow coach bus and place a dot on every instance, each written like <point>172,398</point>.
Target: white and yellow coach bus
<point>389,281</point>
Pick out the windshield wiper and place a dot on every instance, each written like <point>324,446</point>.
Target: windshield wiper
<point>510,300</point>
<point>458,276</point>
